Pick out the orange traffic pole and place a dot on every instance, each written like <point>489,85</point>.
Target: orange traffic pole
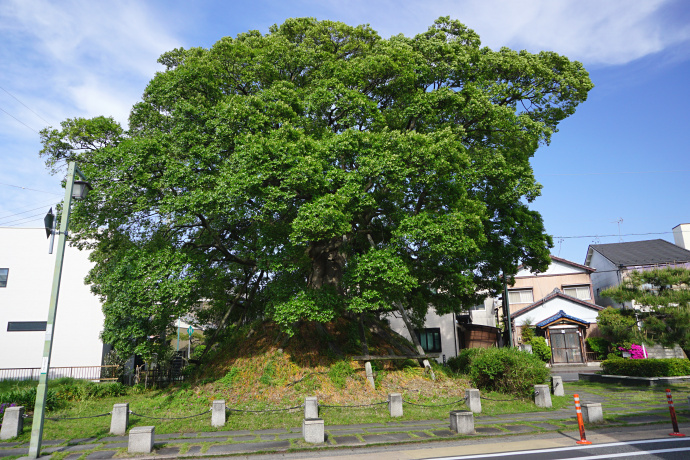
<point>673,414</point>
<point>580,422</point>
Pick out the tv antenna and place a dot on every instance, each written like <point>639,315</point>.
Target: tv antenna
<point>620,219</point>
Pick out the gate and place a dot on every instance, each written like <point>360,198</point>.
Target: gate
<point>565,346</point>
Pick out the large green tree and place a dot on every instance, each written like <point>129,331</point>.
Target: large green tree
<point>317,171</point>
<point>664,294</point>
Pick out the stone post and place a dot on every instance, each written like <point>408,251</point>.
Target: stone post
<point>119,419</point>
<point>218,413</point>
<point>462,421</point>
<point>592,413</point>
<point>12,422</point>
<point>141,439</point>
<point>557,385</point>
<point>542,396</point>
<point>311,407</point>
<point>313,430</point>
<point>370,374</point>
<point>474,402</point>
<point>395,404</point>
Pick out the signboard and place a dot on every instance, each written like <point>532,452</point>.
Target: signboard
<point>190,331</point>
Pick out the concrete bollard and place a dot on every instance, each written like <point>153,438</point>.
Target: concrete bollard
<point>557,385</point>
<point>313,430</point>
<point>311,407</point>
<point>395,404</point>
<point>119,419</point>
<point>12,422</point>
<point>218,413</point>
<point>141,439</point>
<point>370,374</point>
<point>473,400</point>
<point>542,396</point>
<point>688,400</point>
<point>462,421</point>
<point>592,413</point>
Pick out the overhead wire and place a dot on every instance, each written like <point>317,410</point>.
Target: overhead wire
<point>30,109</point>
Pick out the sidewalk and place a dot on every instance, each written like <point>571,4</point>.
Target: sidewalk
<point>620,409</point>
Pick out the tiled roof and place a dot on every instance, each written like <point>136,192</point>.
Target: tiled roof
<point>561,314</point>
<point>650,252</point>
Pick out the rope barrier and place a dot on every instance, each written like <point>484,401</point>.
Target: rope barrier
<point>463,400</point>
<point>170,418</point>
<point>57,419</point>
<point>355,405</point>
<point>264,410</point>
<point>500,400</point>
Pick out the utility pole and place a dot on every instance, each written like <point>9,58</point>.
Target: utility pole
<point>506,310</point>
<point>39,409</point>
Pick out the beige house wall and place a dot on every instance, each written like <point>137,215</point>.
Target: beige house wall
<point>543,285</point>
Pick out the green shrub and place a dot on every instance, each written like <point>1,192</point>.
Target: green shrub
<point>462,362</point>
<point>27,397</point>
<point>671,367</point>
<point>339,372</point>
<point>599,345</point>
<point>506,370</point>
<point>541,349</point>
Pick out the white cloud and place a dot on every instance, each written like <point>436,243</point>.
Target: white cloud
<point>605,32</point>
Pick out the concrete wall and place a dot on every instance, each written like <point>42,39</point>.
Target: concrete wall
<point>446,323</point>
<point>26,298</point>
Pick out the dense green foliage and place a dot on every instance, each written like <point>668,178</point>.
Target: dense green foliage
<point>506,370</point>
<point>599,345</point>
<point>541,349</point>
<point>26,396</point>
<point>670,367</point>
<point>667,292</point>
<point>617,325</point>
<point>316,171</point>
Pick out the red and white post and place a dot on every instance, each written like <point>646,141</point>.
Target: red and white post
<point>580,422</point>
<point>673,415</point>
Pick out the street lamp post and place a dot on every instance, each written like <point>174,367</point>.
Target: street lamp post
<point>73,189</point>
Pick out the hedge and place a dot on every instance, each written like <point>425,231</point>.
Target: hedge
<point>670,367</point>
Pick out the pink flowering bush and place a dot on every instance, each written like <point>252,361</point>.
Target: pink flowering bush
<point>636,351</point>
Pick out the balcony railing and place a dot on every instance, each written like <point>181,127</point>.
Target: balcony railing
<point>96,373</point>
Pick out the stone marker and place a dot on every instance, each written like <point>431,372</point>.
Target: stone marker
<point>141,439</point>
<point>395,404</point>
<point>12,422</point>
<point>311,407</point>
<point>313,430</point>
<point>370,374</point>
<point>119,419</point>
<point>462,421</point>
<point>592,413</point>
<point>557,385</point>
<point>218,413</point>
<point>474,402</point>
<point>542,396</point>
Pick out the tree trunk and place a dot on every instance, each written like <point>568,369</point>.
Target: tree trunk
<point>327,262</point>
<point>415,340</point>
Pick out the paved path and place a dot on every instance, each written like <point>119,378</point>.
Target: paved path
<point>622,407</point>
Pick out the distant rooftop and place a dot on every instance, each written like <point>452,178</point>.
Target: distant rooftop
<point>649,252</point>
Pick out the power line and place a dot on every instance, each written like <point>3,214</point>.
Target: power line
<point>23,212</point>
<point>17,99</point>
<point>19,120</point>
<point>23,219</point>
<point>27,188</point>
<point>606,236</point>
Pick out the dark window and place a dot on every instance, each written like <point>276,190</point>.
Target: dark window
<point>430,339</point>
<point>3,276</point>
<point>17,326</point>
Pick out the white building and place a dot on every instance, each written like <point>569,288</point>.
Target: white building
<point>26,276</point>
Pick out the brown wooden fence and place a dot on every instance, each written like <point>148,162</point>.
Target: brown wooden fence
<point>96,373</point>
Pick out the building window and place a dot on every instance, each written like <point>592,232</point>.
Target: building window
<point>24,326</point>
<point>520,296</point>
<point>580,292</point>
<point>3,276</point>
<point>480,307</point>
<point>430,339</point>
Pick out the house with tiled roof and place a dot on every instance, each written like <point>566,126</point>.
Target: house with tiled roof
<point>559,304</point>
<point>613,262</point>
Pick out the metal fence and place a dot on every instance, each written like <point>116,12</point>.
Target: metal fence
<point>96,373</point>
<point>592,356</point>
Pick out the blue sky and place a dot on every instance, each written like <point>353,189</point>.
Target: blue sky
<point>623,155</point>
